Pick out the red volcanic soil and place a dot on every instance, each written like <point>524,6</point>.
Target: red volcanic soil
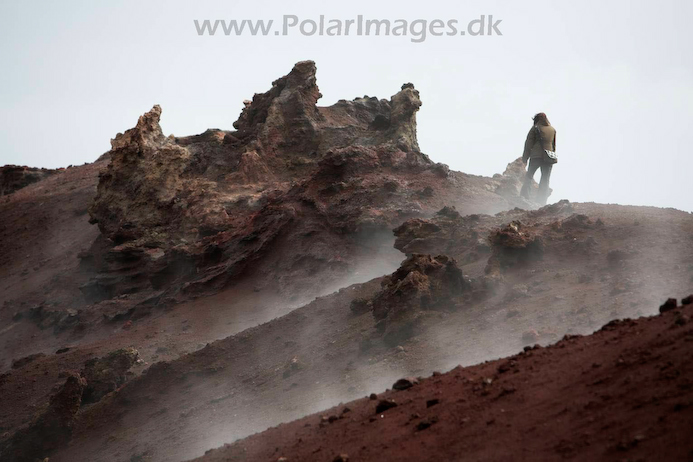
<point>247,382</point>
<point>259,274</point>
<point>622,393</point>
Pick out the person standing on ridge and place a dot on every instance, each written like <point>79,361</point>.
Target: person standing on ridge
<point>540,151</point>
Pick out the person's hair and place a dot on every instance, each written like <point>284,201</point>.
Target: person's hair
<point>541,117</point>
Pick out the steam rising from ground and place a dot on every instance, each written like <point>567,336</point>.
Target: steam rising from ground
<point>496,328</point>
<point>312,357</point>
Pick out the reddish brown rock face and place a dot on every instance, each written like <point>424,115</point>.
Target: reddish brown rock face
<point>421,283</point>
<point>207,246</point>
<point>208,205</point>
<point>104,375</point>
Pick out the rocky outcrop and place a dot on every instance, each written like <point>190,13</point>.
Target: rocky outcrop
<point>502,236</point>
<point>149,195</point>
<point>184,215</point>
<point>508,239</point>
<point>513,244</point>
<point>286,117</point>
<point>422,283</point>
<point>447,232</point>
<point>15,177</point>
<point>104,375</point>
<point>49,430</point>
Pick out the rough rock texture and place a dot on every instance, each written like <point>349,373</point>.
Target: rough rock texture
<point>422,283</point>
<point>519,242</point>
<point>508,239</point>
<point>49,430</point>
<point>511,239</point>
<point>181,184</point>
<point>513,244</point>
<point>186,214</point>
<point>469,237</point>
<point>106,374</point>
<point>167,197</point>
<point>299,219</point>
<point>14,177</point>
<point>296,202</point>
<point>447,232</point>
<point>251,374</point>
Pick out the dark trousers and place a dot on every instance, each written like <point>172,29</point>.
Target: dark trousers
<point>536,163</point>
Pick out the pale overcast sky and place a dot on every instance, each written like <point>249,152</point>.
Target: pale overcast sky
<point>614,77</point>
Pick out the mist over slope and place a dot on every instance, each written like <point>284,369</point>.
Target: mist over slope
<point>206,254</point>
<point>623,393</point>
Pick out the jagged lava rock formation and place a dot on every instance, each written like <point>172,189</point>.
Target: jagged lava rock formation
<point>186,214</point>
<point>207,245</point>
<point>298,200</point>
<point>421,283</point>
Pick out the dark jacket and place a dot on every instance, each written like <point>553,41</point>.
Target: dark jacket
<point>534,149</point>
